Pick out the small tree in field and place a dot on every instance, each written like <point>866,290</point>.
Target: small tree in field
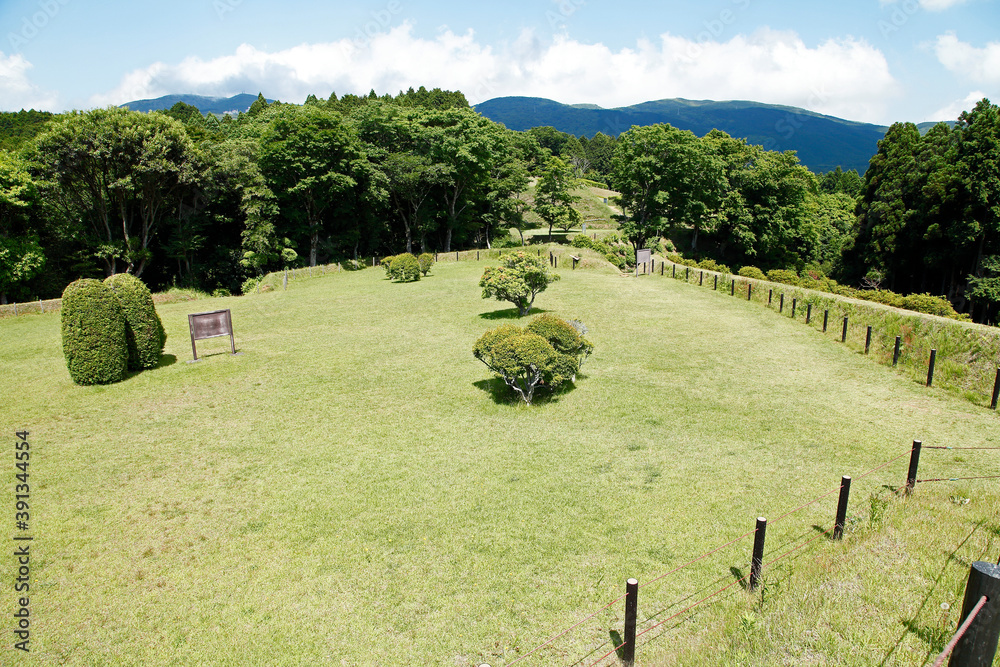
<point>519,279</point>
<point>426,261</point>
<point>548,352</point>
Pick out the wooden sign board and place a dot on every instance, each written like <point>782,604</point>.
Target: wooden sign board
<point>643,256</point>
<point>211,325</point>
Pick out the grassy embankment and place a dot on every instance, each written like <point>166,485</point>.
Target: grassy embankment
<point>354,489</point>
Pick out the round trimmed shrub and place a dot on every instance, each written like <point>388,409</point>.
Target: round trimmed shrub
<point>93,333</point>
<point>752,272</point>
<point>143,328</point>
<point>404,268</point>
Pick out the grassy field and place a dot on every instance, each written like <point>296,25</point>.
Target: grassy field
<point>354,489</point>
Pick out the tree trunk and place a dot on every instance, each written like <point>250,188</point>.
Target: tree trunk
<point>447,240</point>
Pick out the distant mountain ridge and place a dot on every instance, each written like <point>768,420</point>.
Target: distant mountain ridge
<point>207,105</point>
<point>822,142</point>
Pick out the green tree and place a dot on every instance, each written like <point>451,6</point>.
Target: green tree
<point>553,196</point>
<point>665,176</point>
<point>307,158</point>
<point>123,173</point>
<point>519,279</point>
<point>548,352</point>
<point>21,255</point>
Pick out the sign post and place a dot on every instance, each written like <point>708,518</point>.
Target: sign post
<point>210,325</point>
<point>642,257</point>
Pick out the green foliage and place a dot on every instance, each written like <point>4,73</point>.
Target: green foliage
<point>564,338</point>
<point>144,331</point>
<point>712,265</point>
<point>548,352</point>
<point>93,333</point>
<point>582,241</point>
<point>386,264</point>
<point>553,199</point>
<point>783,276</point>
<point>752,272</point>
<point>426,261</point>
<point>404,268</point>
<point>250,284</point>
<point>519,279</point>
<point>504,241</point>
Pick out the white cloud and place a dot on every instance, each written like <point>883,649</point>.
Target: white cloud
<point>843,77</point>
<point>953,110</point>
<point>16,90</point>
<point>939,5</point>
<point>978,65</point>
<point>929,5</point>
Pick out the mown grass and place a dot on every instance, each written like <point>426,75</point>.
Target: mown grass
<point>353,488</point>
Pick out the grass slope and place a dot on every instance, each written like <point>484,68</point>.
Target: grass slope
<point>353,488</point>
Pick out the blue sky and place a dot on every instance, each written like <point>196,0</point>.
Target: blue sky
<point>878,61</point>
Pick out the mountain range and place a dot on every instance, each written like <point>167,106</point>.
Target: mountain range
<point>822,142</point>
<point>207,105</point>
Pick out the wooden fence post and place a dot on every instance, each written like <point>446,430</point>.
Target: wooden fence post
<point>631,613</point>
<point>826,319</point>
<point>978,646</point>
<point>757,559</point>
<point>843,335</point>
<point>911,475</point>
<point>868,339</point>
<point>895,352</point>
<point>930,368</point>
<point>795,303</point>
<point>809,312</point>
<point>781,303</point>
<point>996,391</point>
<point>845,493</point>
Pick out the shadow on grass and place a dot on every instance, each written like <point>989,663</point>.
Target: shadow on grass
<point>510,314</point>
<point>741,579</point>
<point>504,395</point>
<point>617,641</point>
<point>167,360</point>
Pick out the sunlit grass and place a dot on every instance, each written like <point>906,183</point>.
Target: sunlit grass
<point>351,490</point>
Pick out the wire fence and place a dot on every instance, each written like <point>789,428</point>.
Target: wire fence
<point>745,580</point>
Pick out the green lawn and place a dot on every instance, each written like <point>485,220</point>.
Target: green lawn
<point>353,489</point>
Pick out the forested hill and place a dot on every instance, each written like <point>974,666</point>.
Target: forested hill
<point>822,142</point>
<point>214,105</point>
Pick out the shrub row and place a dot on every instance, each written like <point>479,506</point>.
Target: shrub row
<point>406,267</point>
<point>814,280</point>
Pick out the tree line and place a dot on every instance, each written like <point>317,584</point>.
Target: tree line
<point>184,199</point>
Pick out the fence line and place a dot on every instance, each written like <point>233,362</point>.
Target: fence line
<point>698,559</point>
<point>768,563</point>
<point>922,330</point>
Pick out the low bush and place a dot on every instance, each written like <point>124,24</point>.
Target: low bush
<point>505,241</point>
<point>404,268</point>
<point>582,241</point>
<point>783,276</point>
<point>250,284</point>
<point>752,272</point>
<point>144,331</point>
<point>386,264</point>
<point>712,265</point>
<point>93,333</point>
